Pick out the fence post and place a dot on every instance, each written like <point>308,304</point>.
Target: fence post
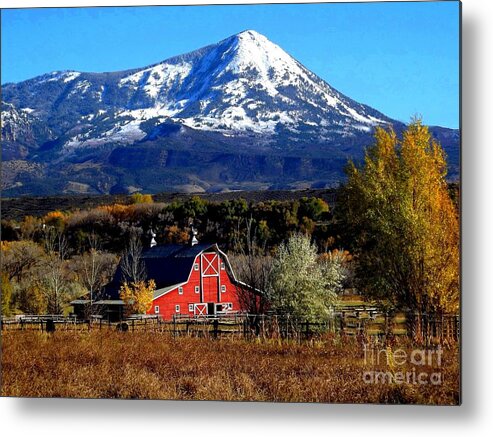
<point>216,328</point>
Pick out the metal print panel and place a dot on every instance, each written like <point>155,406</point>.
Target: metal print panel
<point>237,202</point>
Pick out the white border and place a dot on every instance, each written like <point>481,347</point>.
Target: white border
<point>53,417</point>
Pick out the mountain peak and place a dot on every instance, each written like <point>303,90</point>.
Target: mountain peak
<point>253,38</point>
<point>251,51</point>
<point>250,33</point>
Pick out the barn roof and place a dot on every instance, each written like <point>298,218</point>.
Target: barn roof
<point>160,291</point>
<point>168,265</point>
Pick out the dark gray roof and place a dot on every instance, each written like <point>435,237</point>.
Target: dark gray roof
<point>80,302</point>
<point>109,302</point>
<point>167,265</point>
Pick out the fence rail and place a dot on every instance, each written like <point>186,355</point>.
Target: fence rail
<point>362,323</point>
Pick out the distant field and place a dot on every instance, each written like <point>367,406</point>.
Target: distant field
<point>99,364</point>
<point>17,208</point>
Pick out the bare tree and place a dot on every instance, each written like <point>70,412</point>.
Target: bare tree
<point>133,268</point>
<point>94,268</point>
<point>55,278</point>
<point>18,258</point>
<point>252,267</point>
<point>55,241</point>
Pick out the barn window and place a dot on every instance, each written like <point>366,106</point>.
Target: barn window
<point>223,266</point>
<point>195,266</point>
<point>177,308</point>
<point>156,309</point>
<point>197,289</point>
<point>223,288</point>
<point>190,307</point>
<point>180,290</point>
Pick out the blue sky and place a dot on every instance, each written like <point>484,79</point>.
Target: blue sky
<point>400,58</point>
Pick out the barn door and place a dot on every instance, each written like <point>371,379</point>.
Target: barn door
<point>210,277</point>
<point>200,309</point>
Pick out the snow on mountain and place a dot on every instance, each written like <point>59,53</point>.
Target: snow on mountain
<point>17,124</point>
<point>243,83</point>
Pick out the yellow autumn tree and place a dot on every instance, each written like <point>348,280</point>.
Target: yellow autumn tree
<point>55,219</point>
<point>404,225</point>
<point>137,296</point>
<point>142,198</point>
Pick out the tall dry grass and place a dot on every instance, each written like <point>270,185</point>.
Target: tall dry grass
<point>106,364</point>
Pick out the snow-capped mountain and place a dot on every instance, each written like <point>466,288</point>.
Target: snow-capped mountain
<point>242,100</point>
<point>245,83</point>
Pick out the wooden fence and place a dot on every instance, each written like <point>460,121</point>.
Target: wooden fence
<point>362,323</point>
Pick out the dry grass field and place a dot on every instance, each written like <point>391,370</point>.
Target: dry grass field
<point>107,364</point>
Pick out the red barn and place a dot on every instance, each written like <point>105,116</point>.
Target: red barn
<point>192,280</point>
<point>195,279</point>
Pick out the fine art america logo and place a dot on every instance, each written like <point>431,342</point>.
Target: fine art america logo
<point>422,366</point>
